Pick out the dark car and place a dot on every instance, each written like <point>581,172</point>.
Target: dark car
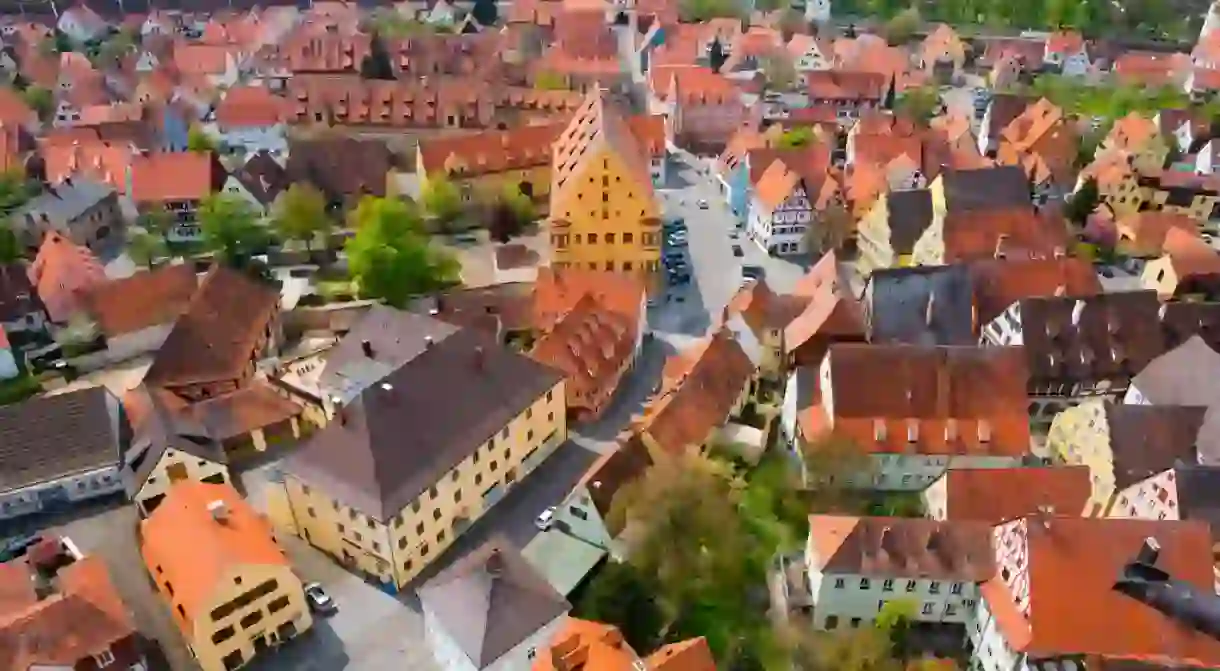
<point>737,251</point>
<point>753,272</point>
<point>12,548</point>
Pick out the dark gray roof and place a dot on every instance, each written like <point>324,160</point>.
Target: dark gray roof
<point>160,423</point>
<point>263,177</point>
<point>394,336</point>
<point>490,601</point>
<point>910,214</point>
<point>397,438</point>
<point>985,188</point>
<point>64,202</point>
<point>54,436</point>
<point>927,305</point>
<point>17,297</point>
<point>1003,109</point>
<point>1199,494</point>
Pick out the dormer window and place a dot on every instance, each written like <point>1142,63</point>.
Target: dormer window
<point>984,431</point>
<point>912,430</point>
<point>879,430</point>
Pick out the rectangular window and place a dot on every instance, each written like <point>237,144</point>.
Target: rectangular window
<point>592,238</point>
<point>864,583</point>
<point>956,589</point>
<point>910,585</point>
<point>839,583</point>
<point>609,238</point>
<point>251,619</point>
<point>927,608</point>
<point>223,634</point>
<point>277,604</point>
<point>934,588</point>
<point>628,238</point>
<point>887,586</point>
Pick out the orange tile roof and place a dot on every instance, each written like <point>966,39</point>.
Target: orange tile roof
<point>595,125</point>
<point>999,494</point>
<point>831,310</point>
<point>1073,608</point>
<point>960,400</point>
<point>590,646</point>
<point>692,84</point>
<point>1064,42</point>
<point>13,109</point>
<point>1019,230</point>
<point>170,176</point>
<point>100,160</point>
<point>185,546</point>
<point>1132,132</point>
<point>1144,233</point>
<point>490,152</point>
<point>1150,68</point>
<point>998,283</point>
<point>201,59</point>
<point>348,99</point>
<point>593,339</point>
<point>148,298</point>
<point>689,655</point>
<point>244,106</point>
<point>62,274</point>
<point>846,85</point>
<point>776,185</point>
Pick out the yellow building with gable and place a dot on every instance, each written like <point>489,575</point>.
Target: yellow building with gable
<point>604,214</point>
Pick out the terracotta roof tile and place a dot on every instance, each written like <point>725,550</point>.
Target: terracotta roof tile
<point>1151,68</point>
<point>996,495</point>
<point>1069,611</point>
<point>936,400</point>
<point>216,337</point>
<point>999,283</point>
<point>14,110</point>
<point>690,655</point>
<point>195,552</point>
<point>898,547</point>
<point>687,408</point>
<point>599,647</point>
<point>97,159</point>
<point>1144,233</point>
<point>148,298</point>
<point>348,99</point>
<point>846,85</point>
<point>175,176</point>
<point>236,414</point>
<point>246,106</point>
<point>1014,231</point>
<point>63,273</point>
<point>598,123</point>
<point>490,152</point>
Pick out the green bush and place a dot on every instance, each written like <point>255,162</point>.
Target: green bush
<point>18,389</point>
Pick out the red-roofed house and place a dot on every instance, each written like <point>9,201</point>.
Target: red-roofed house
<point>704,108</point>
<point>216,64</point>
<point>250,119</point>
<point>177,182</point>
<point>1068,51</point>
<point>63,273</point>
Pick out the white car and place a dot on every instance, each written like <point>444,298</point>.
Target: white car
<point>702,204</point>
<point>546,519</point>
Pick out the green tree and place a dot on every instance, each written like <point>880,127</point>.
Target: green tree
<point>198,140</point>
<point>145,249</point>
<point>895,620</point>
<point>230,229</point>
<point>830,230</point>
<point>390,257</point>
<point>15,190</point>
<point>833,464</point>
<point>441,200</point>
<point>485,12</point>
<point>1082,203</point>
<point>920,105</point>
<point>10,248</point>
<point>715,55</point>
<point>862,649</point>
<point>550,81</point>
<point>301,214</point>
<point>377,64</point>
<point>702,10</point>
<point>119,45</point>
<point>900,29</point>
<point>797,137</point>
<point>156,222</point>
<point>622,595</point>
<point>779,72</point>
<point>40,100</point>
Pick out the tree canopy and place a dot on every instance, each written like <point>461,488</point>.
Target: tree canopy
<point>1094,18</point>
<point>10,248</point>
<point>779,72</point>
<point>485,12</point>
<point>40,100</point>
<point>145,248</point>
<point>703,10</point>
<point>799,136</point>
<point>390,258</point>
<point>550,81</point>
<point>301,214</point>
<point>377,64</point>
<point>441,199</point>
<point>510,214</point>
<point>199,141</point>
<point>1082,203</point>
<point>15,190</point>
<point>920,105</point>
<point>622,595</point>
<point>230,229</point>
<point>901,28</point>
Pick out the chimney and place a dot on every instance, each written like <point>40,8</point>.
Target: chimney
<point>1060,290</point>
<point>428,342</point>
<point>1077,311</point>
<point>494,564</point>
<point>367,348</point>
<point>218,510</point>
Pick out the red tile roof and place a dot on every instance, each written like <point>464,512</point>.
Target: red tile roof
<point>999,494</point>
<point>175,176</point>
<point>245,106</point>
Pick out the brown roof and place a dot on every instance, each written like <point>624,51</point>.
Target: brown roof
<point>351,100</point>
<point>831,310</point>
<point>185,545</point>
<point>490,601</point>
<point>493,151</point>
<point>1086,339</point>
<point>689,406</point>
<point>492,309</point>
<point>246,106</point>
<point>1148,439</point>
<point>1143,233</point>
<point>995,495</point>
<point>341,167</point>
<point>1180,320</point>
<point>399,437</point>
<point>216,337</point>
<point>173,176</point>
<point>764,310</point>
<point>254,406</point>
<point>998,283</point>
<point>1043,141</point>
<point>931,400</point>
<point>628,460</point>
<point>1003,231</point>
<point>693,654</point>
<point>1073,611</point>
<point>899,547</point>
<point>148,298</point>
<point>83,617</point>
<point>590,646</point>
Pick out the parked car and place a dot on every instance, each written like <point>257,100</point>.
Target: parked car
<point>14,547</point>
<point>545,519</point>
<point>677,240</point>
<point>753,272</point>
<point>703,204</point>
<point>737,251</point>
<point>318,600</point>
<point>679,277</point>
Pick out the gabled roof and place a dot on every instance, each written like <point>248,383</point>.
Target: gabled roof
<point>998,283</point>
<point>187,546</point>
<point>490,601</point>
<point>1148,439</point>
<point>250,106</point>
<point>147,298</point>
<point>263,177</point>
<point>985,188</point>
<point>340,167</point>
<point>215,338</point>
<point>399,437</point>
<point>923,305</point>
<point>160,422</point>
<point>995,495</point>
<point>597,125</point>
<point>172,176</point>
<point>897,547</point>
<point>55,436</point>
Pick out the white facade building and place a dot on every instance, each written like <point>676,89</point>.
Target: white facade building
<point>780,229</point>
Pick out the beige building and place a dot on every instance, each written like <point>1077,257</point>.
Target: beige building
<point>411,461</point>
<point>230,588</point>
<point>1123,445</point>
